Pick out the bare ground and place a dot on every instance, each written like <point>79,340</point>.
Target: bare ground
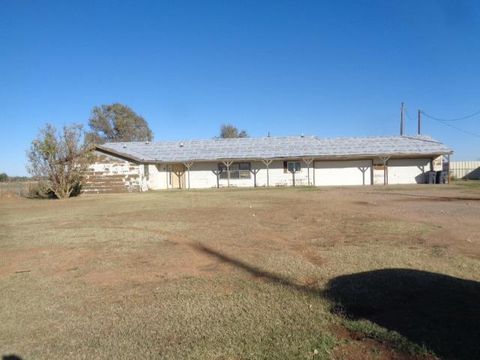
<point>240,274</point>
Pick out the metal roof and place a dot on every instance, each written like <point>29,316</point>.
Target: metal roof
<point>274,148</point>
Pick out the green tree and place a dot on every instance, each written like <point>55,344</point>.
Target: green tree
<point>3,177</point>
<point>58,160</point>
<point>117,123</point>
<point>230,131</point>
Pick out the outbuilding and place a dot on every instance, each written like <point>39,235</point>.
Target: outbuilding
<point>268,161</point>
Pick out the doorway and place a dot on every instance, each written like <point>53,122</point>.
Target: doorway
<point>177,174</point>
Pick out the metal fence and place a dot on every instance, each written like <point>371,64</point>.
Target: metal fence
<point>469,170</point>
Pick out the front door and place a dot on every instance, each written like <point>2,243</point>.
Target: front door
<point>178,176</point>
<point>379,174</point>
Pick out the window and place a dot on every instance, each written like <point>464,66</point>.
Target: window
<point>237,171</point>
<point>291,166</point>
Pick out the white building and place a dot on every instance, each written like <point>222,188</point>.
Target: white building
<point>270,161</point>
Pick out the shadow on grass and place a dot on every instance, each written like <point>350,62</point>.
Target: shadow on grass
<point>425,197</point>
<point>268,276</point>
<point>11,357</point>
<point>435,311</point>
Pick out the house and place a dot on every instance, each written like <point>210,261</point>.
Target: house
<point>268,161</point>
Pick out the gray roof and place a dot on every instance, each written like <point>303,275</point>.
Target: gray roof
<point>275,148</point>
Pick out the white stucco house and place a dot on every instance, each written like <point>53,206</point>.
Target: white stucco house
<point>271,161</point>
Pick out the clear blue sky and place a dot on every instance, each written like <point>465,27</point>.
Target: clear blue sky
<point>326,68</point>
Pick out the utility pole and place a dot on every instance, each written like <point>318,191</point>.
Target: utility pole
<point>401,120</point>
<point>419,115</point>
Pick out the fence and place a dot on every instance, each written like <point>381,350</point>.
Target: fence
<point>469,170</point>
<point>15,188</point>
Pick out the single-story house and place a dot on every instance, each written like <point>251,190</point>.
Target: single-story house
<point>269,161</point>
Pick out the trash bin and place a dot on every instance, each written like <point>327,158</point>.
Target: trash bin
<point>441,177</point>
<point>444,177</point>
<point>431,177</point>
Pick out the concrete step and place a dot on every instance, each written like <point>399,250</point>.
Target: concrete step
<point>117,187</point>
<point>104,183</point>
<point>109,191</point>
<point>108,176</point>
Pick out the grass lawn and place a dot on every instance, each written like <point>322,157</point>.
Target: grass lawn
<point>328,273</point>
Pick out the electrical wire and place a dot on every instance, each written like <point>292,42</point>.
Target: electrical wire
<point>454,119</point>
<point>457,128</point>
<point>445,122</point>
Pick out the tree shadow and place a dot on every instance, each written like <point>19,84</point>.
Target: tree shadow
<point>437,311</point>
<point>253,270</point>
<point>11,357</point>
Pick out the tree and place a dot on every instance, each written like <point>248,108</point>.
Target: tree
<point>58,160</point>
<point>228,131</point>
<point>117,123</point>
<point>3,177</point>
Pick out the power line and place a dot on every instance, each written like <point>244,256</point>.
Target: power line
<point>456,127</point>
<point>454,119</point>
<point>445,122</point>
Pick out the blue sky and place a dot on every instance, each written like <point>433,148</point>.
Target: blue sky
<point>326,68</point>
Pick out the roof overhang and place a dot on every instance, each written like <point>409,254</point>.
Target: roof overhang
<point>118,154</point>
<point>314,157</point>
<point>138,160</point>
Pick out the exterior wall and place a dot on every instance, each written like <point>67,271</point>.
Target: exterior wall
<point>321,172</point>
<point>108,174</point>
<point>277,175</point>
<point>202,176</point>
<point>378,172</point>
<point>343,172</point>
<point>437,164</point>
<point>407,171</point>
<point>157,177</point>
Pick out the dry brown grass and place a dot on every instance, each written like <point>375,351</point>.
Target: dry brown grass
<point>17,189</point>
<point>229,274</point>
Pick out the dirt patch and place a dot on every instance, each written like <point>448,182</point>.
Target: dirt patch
<point>354,345</point>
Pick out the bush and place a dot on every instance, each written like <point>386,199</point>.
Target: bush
<point>58,161</point>
<point>39,190</point>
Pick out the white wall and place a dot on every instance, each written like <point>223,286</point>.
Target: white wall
<point>407,171</point>
<point>343,172</point>
<point>157,177</point>
<point>277,176</point>
<point>202,176</point>
<point>400,171</point>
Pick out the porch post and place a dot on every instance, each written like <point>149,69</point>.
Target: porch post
<point>448,169</point>
<point>254,172</point>
<point>228,163</point>
<point>385,169</point>
<point>168,175</point>
<point>188,165</point>
<point>217,174</point>
<point>308,162</point>
<point>313,168</point>
<point>267,164</point>
<point>363,169</point>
